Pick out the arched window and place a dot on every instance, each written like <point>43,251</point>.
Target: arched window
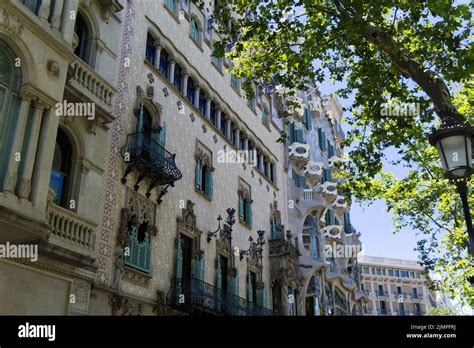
<point>195,30</point>
<point>224,124</point>
<point>84,36</point>
<point>150,49</point>
<point>10,79</point>
<point>213,112</point>
<point>191,90</point>
<point>61,172</point>
<point>164,63</point>
<point>178,71</point>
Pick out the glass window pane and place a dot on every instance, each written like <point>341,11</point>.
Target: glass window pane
<point>5,69</point>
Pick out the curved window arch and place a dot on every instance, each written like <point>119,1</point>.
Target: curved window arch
<point>10,80</point>
<point>61,172</point>
<point>195,30</point>
<point>83,32</point>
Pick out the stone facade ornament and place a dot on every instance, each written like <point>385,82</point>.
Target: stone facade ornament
<point>329,191</point>
<point>313,172</point>
<point>52,68</point>
<point>299,155</point>
<point>11,24</point>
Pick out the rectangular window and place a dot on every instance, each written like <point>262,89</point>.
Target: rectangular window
<point>397,273</point>
<point>399,290</point>
<point>390,272</point>
<point>265,116</point>
<point>204,179</point>
<point>33,5</point>
<point>412,275</point>
<point>172,6</point>
<point>415,293</point>
<point>322,139</point>
<point>379,272</point>
<point>150,49</point>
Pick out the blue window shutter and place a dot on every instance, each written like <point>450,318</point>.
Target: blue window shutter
<point>218,273</point>
<point>309,122</point>
<point>292,138</point>
<point>320,138</point>
<point>249,213</point>
<point>162,136</point>
<point>197,175</point>
<point>324,141</point>
<point>179,258</point>
<point>299,136</point>
<point>209,184</point>
<point>241,207</point>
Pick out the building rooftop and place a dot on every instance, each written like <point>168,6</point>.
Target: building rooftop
<point>388,262</point>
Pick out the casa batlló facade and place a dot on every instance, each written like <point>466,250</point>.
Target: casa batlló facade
<point>148,181</point>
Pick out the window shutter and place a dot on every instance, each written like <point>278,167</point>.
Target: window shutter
<point>250,213</point>
<point>314,242</point>
<point>299,136</point>
<point>249,288</point>
<point>179,258</point>
<point>292,137</point>
<point>194,268</point>
<point>139,124</point>
<point>309,120</point>
<point>197,175</point>
<point>260,295</point>
<point>274,230</point>
<point>162,136</point>
<point>241,207</point>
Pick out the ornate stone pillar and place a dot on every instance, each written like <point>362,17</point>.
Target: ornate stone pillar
<point>267,168</point>
<point>44,158</point>
<point>13,162</point>
<point>158,48</point>
<point>284,299</point>
<point>185,77</point>
<point>237,138</point>
<point>218,118</point>
<point>228,126</point>
<point>67,21</point>
<point>25,180</point>
<point>58,8</point>
<point>262,163</point>
<point>196,96</point>
<point>207,111</point>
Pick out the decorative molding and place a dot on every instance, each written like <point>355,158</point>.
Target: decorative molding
<point>11,24</point>
<point>52,69</point>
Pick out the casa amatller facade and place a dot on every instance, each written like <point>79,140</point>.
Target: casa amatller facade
<point>168,194</point>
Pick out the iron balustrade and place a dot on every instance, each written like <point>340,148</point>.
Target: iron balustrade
<point>192,295</point>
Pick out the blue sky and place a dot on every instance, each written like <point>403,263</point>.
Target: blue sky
<point>373,221</point>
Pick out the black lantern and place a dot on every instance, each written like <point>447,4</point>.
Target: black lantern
<point>454,145</point>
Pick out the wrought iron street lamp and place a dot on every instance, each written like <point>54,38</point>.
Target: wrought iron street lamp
<point>454,145</point>
<point>226,234</point>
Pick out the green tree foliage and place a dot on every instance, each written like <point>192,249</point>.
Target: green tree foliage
<point>409,51</point>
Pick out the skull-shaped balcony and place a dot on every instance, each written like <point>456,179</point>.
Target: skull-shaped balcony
<point>335,163</point>
<point>150,161</point>
<point>329,192</point>
<point>340,206</point>
<point>313,172</point>
<point>299,155</point>
<point>332,233</point>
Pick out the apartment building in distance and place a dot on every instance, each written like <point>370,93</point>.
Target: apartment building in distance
<point>396,287</point>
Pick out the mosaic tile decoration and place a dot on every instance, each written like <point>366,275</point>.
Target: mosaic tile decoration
<point>109,199</point>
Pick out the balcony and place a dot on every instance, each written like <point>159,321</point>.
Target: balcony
<point>381,293</point>
<point>385,312</point>
<point>150,160</point>
<point>417,297</point>
<point>194,296</point>
<point>70,236</point>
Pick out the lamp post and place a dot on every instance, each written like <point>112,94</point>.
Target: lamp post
<point>454,144</point>
<point>226,234</point>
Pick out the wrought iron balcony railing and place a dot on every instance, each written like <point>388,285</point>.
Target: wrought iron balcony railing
<point>197,297</point>
<point>150,160</point>
<point>385,312</point>
<point>381,293</point>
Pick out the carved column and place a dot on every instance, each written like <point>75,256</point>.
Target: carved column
<point>284,299</point>
<point>13,163</point>
<point>67,23</point>
<point>262,163</point>
<point>207,111</point>
<point>44,158</point>
<point>185,77</point>
<point>237,138</point>
<point>158,49</point>
<point>58,8</point>
<point>25,180</point>
<point>218,118</point>
<point>228,127</point>
<point>172,66</point>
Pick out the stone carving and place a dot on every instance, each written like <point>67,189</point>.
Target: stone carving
<point>340,206</point>
<point>119,271</point>
<point>193,118</point>
<point>11,24</point>
<point>332,232</point>
<point>122,235</point>
<point>52,68</point>
<point>335,163</point>
<point>160,307</point>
